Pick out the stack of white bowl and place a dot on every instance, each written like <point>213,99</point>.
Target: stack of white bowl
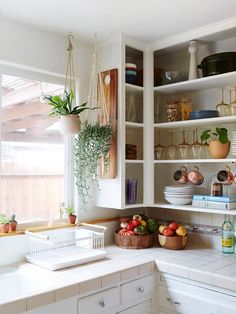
<point>233,143</point>
<point>179,195</point>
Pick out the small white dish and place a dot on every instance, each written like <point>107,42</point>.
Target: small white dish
<point>178,201</point>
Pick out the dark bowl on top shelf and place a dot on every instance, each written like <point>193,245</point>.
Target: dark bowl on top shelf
<point>203,114</point>
<point>218,63</point>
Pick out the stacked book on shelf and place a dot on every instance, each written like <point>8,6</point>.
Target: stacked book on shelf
<point>214,202</point>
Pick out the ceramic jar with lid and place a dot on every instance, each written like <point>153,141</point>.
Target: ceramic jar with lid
<point>172,111</point>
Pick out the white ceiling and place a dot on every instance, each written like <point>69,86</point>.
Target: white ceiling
<point>144,20</point>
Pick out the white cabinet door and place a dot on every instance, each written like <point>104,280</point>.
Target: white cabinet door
<point>66,306</point>
<point>228,309</point>
<point>142,308</point>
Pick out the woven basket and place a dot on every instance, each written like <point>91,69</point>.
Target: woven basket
<point>173,243</point>
<point>135,241</point>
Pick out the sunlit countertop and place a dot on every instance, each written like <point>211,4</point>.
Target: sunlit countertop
<point>24,284</point>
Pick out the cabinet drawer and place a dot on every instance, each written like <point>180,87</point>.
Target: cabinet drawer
<point>181,302</point>
<point>142,308</point>
<point>100,302</point>
<point>136,288</point>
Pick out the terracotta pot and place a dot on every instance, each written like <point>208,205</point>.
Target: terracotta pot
<point>219,150</point>
<point>72,219</point>
<point>69,124</point>
<point>13,226</point>
<point>4,228</point>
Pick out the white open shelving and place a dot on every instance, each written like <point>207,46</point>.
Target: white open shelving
<point>133,88</point>
<point>197,122</point>
<point>216,81</point>
<point>204,94</point>
<point>134,161</point>
<point>195,161</point>
<point>134,124</point>
<point>195,209</point>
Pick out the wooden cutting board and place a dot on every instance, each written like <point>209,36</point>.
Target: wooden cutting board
<point>110,87</point>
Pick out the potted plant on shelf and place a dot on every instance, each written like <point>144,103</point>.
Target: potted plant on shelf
<point>91,146</point>
<point>71,214</point>
<point>63,106</point>
<point>218,142</point>
<point>13,223</point>
<point>4,223</point>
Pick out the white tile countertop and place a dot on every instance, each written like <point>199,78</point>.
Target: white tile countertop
<point>27,286</point>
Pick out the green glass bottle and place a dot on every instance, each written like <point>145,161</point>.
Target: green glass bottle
<point>227,236</point>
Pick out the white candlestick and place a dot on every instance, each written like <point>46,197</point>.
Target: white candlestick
<point>193,48</point>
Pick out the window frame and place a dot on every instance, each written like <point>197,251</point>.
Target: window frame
<point>31,73</point>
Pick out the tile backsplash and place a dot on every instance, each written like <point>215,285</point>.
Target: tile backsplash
<point>202,238</point>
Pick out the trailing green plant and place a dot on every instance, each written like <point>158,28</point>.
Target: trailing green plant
<point>63,105</point>
<point>4,219</point>
<point>70,210</point>
<point>92,144</point>
<point>220,134</point>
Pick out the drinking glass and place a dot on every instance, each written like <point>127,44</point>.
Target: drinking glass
<point>158,149</point>
<point>172,150</point>
<point>223,108</point>
<point>232,105</point>
<point>184,147</point>
<point>197,147</point>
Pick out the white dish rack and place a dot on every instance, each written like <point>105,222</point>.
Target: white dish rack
<point>65,247</point>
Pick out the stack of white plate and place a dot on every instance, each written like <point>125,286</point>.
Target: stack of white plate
<point>233,144</point>
<point>179,195</point>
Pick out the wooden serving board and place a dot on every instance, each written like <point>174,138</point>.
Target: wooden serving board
<point>110,87</point>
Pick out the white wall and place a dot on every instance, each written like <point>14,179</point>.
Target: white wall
<point>41,54</point>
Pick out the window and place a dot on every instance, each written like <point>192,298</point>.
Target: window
<point>31,151</point>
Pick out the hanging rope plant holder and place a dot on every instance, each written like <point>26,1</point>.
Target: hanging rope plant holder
<point>70,124</point>
<point>91,148</point>
<point>66,105</point>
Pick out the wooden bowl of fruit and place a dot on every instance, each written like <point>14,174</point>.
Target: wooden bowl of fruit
<point>136,233</point>
<point>173,237</point>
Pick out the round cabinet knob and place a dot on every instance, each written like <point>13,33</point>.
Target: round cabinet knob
<point>102,303</point>
<point>141,289</point>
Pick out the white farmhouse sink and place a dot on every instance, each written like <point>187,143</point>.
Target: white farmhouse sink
<point>16,283</point>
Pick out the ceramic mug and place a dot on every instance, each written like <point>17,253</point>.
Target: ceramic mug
<point>181,176</point>
<point>225,176</point>
<point>195,177</point>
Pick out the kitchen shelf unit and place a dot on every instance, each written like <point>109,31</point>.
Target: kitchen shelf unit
<point>132,119</point>
<point>205,94</point>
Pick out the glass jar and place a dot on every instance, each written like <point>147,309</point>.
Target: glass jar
<point>216,189</point>
<point>172,111</point>
<point>185,105</point>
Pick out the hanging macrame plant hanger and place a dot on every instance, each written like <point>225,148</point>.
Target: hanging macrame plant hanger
<point>101,116</point>
<point>70,124</point>
<point>96,97</point>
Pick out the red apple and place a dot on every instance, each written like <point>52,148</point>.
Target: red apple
<point>168,232</point>
<point>174,226</point>
<point>161,228</point>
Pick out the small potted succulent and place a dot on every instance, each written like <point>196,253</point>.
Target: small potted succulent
<point>71,214</point>
<point>4,223</point>
<point>217,141</point>
<point>13,223</point>
<point>64,106</point>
